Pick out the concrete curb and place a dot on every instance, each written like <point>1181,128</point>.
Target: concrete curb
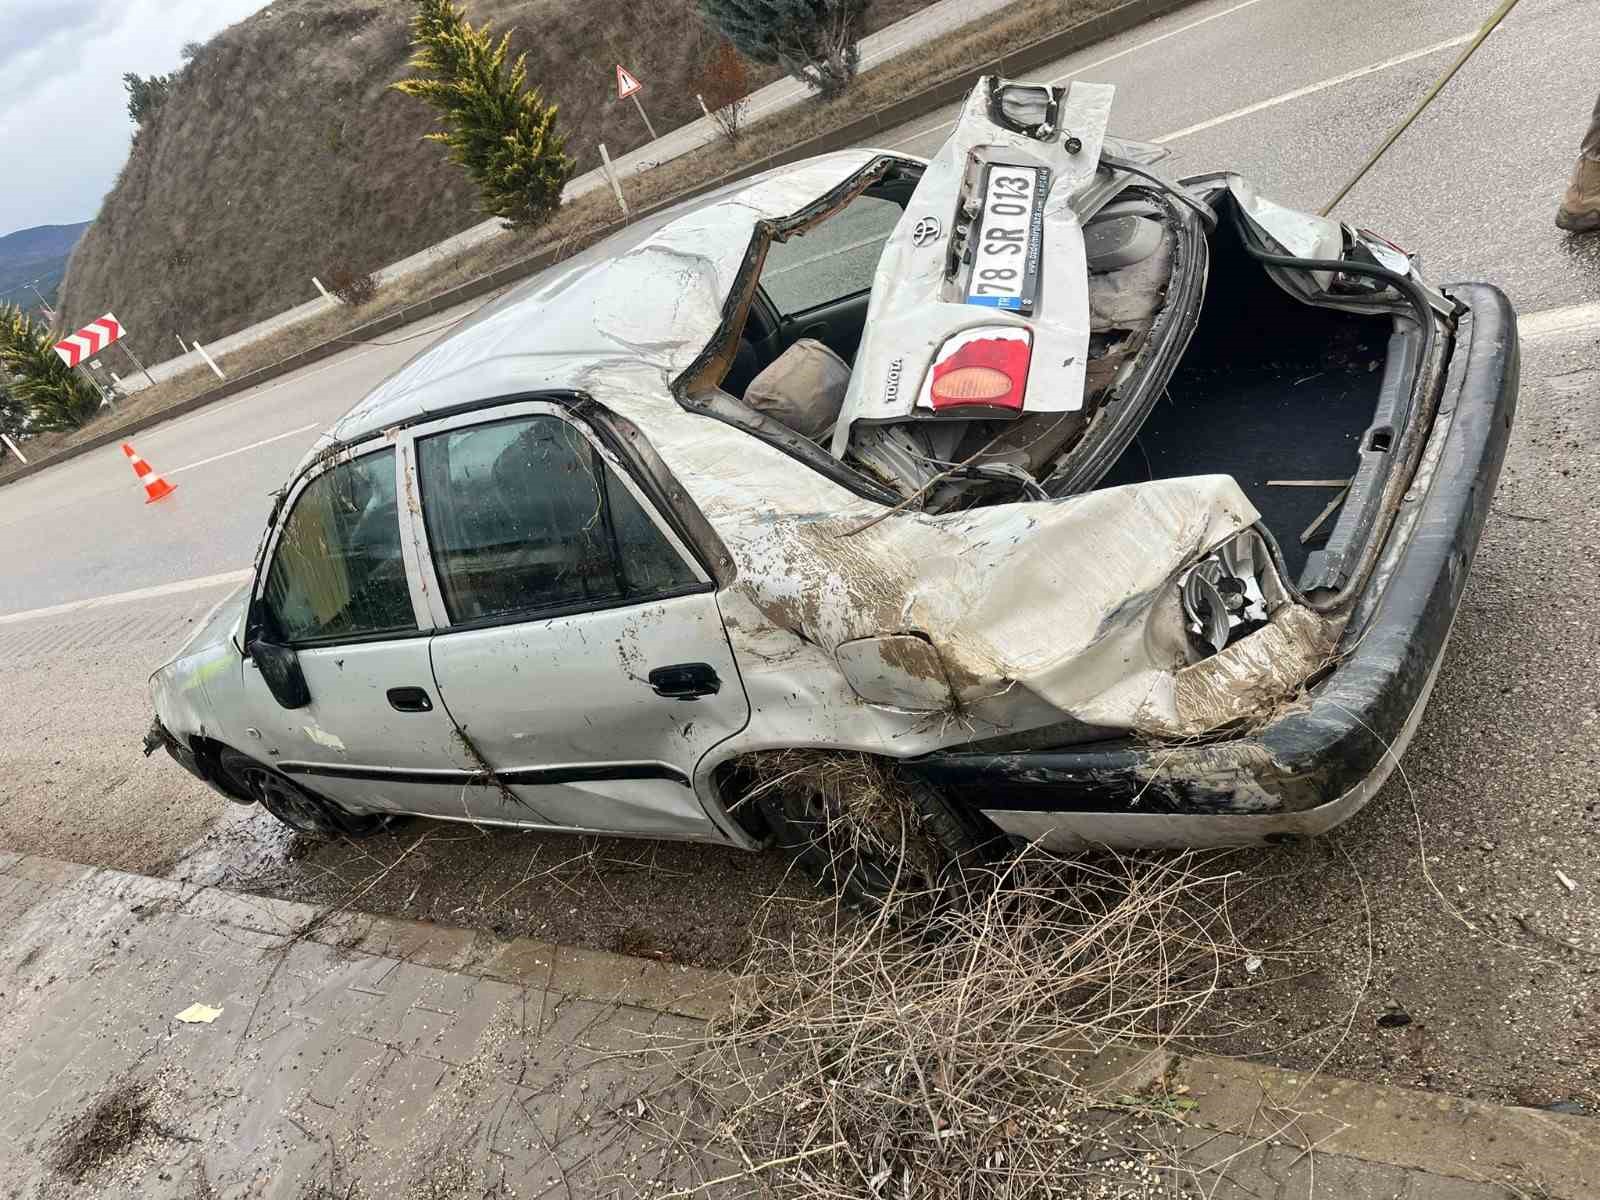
<point>1445,1136</point>
<point>1025,58</point>
<point>573,971</point>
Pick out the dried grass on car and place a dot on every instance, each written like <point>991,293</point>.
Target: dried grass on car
<point>861,789</point>
<point>941,1056</point>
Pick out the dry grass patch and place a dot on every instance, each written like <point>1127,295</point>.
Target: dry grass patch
<point>107,1130</point>
<point>887,1057</point>
<point>867,804</point>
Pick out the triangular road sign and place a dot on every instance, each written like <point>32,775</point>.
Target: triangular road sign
<point>627,85</point>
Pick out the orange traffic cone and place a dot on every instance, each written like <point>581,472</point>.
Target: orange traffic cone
<point>155,487</point>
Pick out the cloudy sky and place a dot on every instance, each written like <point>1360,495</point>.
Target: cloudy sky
<point>64,126</point>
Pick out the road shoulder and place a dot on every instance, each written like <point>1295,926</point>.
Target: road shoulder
<point>419,1047</point>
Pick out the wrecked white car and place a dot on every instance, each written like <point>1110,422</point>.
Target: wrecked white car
<point>1020,490</point>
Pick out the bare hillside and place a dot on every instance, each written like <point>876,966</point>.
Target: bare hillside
<point>282,154</point>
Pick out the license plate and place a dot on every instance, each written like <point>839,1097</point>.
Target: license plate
<point>1010,241</point>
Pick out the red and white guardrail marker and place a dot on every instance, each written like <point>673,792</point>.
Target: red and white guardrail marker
<point>89,341</point>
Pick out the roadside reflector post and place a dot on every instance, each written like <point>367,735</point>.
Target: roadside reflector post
<point>180,341</point>
<point>13,446</point>
<point>215,369</point>
<point>703,107</point>
<point>611,177</point>
<point>320,288</point>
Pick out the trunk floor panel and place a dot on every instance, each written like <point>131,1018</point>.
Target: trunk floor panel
<point>1261,422</point>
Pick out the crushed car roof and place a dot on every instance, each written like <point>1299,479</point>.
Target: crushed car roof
<point>650,295</point>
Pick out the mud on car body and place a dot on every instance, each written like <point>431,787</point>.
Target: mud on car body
<point>1045,494</point>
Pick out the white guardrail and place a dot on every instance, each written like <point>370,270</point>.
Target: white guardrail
<point>905,35</point>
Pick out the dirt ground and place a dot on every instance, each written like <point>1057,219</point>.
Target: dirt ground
<point>672,901</point>
<point>1430,942</point>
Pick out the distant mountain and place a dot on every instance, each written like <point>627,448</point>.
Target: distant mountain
<point>39,256</point>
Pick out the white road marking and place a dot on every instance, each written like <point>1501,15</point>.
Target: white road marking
<point>245,449</point>
<point>148,593</point>
<point>1312,88</point>
<point>1299,93</point>
<point>919,133</point>
<point>1574,318</point>
<point>1100,62</point>
<point>1145,45</point>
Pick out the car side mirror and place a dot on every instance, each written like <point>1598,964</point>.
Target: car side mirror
<point>280,669</point>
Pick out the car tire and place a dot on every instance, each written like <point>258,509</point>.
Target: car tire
<point>939,847</point>
<point>300,809</point>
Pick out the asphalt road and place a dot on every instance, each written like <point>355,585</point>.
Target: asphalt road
<point>1466,936</point>
<point>1296,94</point>
<point>1473,186</point>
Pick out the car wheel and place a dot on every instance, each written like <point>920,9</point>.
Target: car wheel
<point>301,810</point>
<point>919,850</point>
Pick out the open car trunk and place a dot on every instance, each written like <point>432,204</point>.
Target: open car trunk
<point>1296,402</point>
<point>1051,316</point>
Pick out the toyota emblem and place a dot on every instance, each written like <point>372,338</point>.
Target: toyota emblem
<point>925,231</point>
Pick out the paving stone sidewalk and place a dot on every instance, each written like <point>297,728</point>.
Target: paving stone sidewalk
<point>364,1057</point>
<point>351,1059</point>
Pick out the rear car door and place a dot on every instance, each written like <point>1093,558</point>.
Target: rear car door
<point>340,588</point>
<point>579,647</point>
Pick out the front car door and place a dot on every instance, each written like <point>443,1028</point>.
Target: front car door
<point>580,647</point>
<point>339,586</point>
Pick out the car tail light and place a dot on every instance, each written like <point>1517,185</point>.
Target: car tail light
<point>980,373</point>
<point>963,385</point>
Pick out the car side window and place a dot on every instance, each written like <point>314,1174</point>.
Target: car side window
<point>832,260</point>
<point>337,569</point>
<point>523,516</point>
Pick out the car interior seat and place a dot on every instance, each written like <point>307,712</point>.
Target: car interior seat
<point>803,388</point>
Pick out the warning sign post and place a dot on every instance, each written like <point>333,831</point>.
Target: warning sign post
<point>628,88</point>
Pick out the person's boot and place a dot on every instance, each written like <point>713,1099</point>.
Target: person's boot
<point>1580,208</point>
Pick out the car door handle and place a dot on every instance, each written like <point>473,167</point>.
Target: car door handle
<point>685,681</point>
<point>409,699</point>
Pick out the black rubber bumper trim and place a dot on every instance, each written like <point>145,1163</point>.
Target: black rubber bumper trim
<point>531,776</point>
<point>1314,756</point>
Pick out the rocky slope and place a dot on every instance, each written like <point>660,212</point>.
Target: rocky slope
<point>282,154</point>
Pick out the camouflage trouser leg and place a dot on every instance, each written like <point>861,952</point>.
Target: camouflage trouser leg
<point>1591,140</point>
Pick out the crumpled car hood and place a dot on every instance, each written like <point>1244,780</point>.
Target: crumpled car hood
<point>182,687</point>
<point>218,626</point>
